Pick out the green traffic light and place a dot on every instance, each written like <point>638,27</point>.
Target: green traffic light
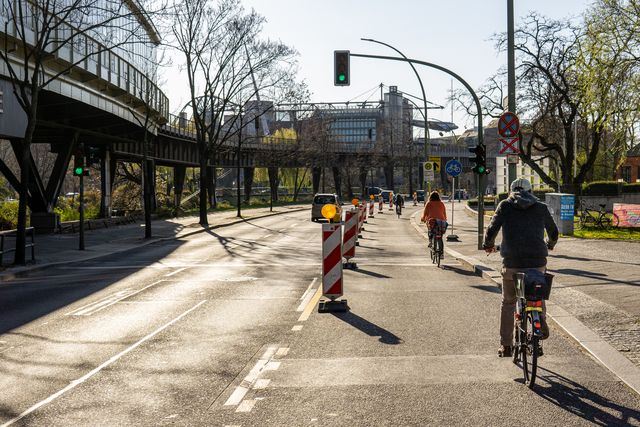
<point>342,77</point>
<point>481,169</point>
<point>78,171</point>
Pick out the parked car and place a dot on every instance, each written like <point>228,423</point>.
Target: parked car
<point>319,200</point>
<point>375,191</point>
<point>420,194</point>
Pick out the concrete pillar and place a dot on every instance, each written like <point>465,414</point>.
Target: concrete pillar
<point>273,183</point>
<point>105,185</point>
<point>315,178</point>
<point>388,176</point>
<point>362,177</point>
<point>179,173</point>
<point>337,179</point>
<point>248,183</point>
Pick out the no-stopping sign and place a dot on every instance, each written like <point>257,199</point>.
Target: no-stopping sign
<point>508,125</point>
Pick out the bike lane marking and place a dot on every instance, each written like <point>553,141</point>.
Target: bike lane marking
<point>75,383</point>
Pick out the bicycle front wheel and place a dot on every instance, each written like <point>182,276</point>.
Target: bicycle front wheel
<point>529,353</point>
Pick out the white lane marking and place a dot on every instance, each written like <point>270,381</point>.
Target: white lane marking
<point>308,294</point>
<point>272,366</point>
<point>282,351</point>
<point>261,384</point>
<point>175,272</point>
<point>82,379</point>
<point>246,406</point>
<point>94,307</point>
<point>248,381</point>
<point>311,305</point>
<point>297,328</point>
<point>237,396</point>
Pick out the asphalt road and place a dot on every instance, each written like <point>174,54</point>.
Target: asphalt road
<point>220,329</point>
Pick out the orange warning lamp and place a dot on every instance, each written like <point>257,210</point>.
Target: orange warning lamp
<point>329,212</point>
<point>355,202</point>
<point>371,197</point>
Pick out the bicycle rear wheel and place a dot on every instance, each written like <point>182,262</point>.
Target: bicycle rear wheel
<point>438,250</point>
<point>529,352</point>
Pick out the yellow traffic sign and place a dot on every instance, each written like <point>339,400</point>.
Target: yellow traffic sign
<point>437,162</point>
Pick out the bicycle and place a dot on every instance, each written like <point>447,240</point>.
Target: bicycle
<point>528,323</point>
<point>591,218</point>
<point>437,229</point>
<point>398,209</point>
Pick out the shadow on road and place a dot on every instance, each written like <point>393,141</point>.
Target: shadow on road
<point>372,273</point>
<point>460,271</point>
<point>603,278</point>
<point>492,289</point>
<point>575,258</point>
<point>369,328</point>
<point>578,400</point>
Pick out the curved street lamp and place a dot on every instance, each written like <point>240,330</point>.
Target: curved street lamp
<point>424,96</point>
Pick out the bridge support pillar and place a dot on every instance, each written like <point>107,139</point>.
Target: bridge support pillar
<point>248,174</point>
<point>337,180</point>
<point>105,184</point>
<point>273,183</point>
<point>362,177</point>
<point>179,173</point>
<point>316,174</point>
<point>388,176</point>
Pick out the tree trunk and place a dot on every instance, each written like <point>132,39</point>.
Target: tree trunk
<point>146,194</point>
<point>204,221</point>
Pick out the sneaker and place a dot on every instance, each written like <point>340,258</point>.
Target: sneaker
<point>544,328</point>
<point>504,351</point>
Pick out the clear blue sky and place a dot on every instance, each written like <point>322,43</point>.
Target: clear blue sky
<point>454,34</point>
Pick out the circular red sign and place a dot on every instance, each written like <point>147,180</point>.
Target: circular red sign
<point>508,125</point>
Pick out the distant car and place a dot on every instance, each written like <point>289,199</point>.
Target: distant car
<point>375,191</point>
<point>319,200</point>
<point>385,195</point>
<point>420,194</point>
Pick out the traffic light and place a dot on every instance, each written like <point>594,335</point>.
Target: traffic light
<point>480,159</point>
<point>341,67</point>
<point>79,165</point>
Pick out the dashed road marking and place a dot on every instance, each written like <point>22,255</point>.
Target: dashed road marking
<point>246,405</point>
<point>261,384</point>
<point>282,351</point>
<point>93,372</point>
<point>240,391</point>
<point>297,328</point>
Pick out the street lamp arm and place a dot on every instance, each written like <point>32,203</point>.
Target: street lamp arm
<point>443,69</point>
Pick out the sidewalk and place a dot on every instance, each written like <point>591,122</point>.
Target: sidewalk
<point>52,249</point>
<point>596,293</point>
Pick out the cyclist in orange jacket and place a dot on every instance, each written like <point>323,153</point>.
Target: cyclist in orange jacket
<point>434,209</point>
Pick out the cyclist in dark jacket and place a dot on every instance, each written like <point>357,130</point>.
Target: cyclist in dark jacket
<point>523,219</point>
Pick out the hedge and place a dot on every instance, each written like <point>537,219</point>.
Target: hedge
<point>631,188</point>
<point>600,188</point>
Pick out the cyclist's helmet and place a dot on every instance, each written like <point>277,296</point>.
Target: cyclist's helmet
<point>521,184</point>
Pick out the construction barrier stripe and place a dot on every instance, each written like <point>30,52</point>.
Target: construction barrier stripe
<point>332,260</point>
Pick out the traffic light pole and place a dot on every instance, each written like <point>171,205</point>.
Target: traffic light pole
<point>81,245</point>
<point>511,80</point>
<point>481,178</point>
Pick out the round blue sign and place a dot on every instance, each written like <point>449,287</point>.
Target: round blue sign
<point>453,167</point>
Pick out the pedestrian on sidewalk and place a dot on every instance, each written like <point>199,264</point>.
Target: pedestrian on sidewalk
<point>523,220</point>
<point>433,211</point>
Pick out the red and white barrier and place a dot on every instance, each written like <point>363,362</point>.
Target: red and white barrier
<point>332,268</point>
<point>371,208</point>
<point>380,205</point>
<point>365,211</point>
<point>350,237</point>
<point>390,202</point>
<point>360,220</point>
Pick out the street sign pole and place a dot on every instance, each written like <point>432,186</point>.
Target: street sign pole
<point>81,234</point>
<point>453,168</point>
<point>512,170</point>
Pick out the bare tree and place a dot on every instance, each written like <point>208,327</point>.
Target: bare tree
<point>69,31</point>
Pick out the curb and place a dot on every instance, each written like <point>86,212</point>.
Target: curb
<point>597,347</point>
<point>11,275</point>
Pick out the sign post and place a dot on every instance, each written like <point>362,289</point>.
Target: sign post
<point>453,169</point>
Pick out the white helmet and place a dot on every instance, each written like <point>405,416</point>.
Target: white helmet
<point>521,184</point>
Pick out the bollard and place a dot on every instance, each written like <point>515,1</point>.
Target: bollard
<point>371,208</point>
<point>364,208</point>
<point>391,201</point>
<point>332,269</point>
<point>380,205</point>
<point>360,221</point>
<point>350,239</point>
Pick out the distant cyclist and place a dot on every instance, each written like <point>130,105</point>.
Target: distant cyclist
<point>399,202</point>
<point>434,210</point>
<point>523,219</point>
